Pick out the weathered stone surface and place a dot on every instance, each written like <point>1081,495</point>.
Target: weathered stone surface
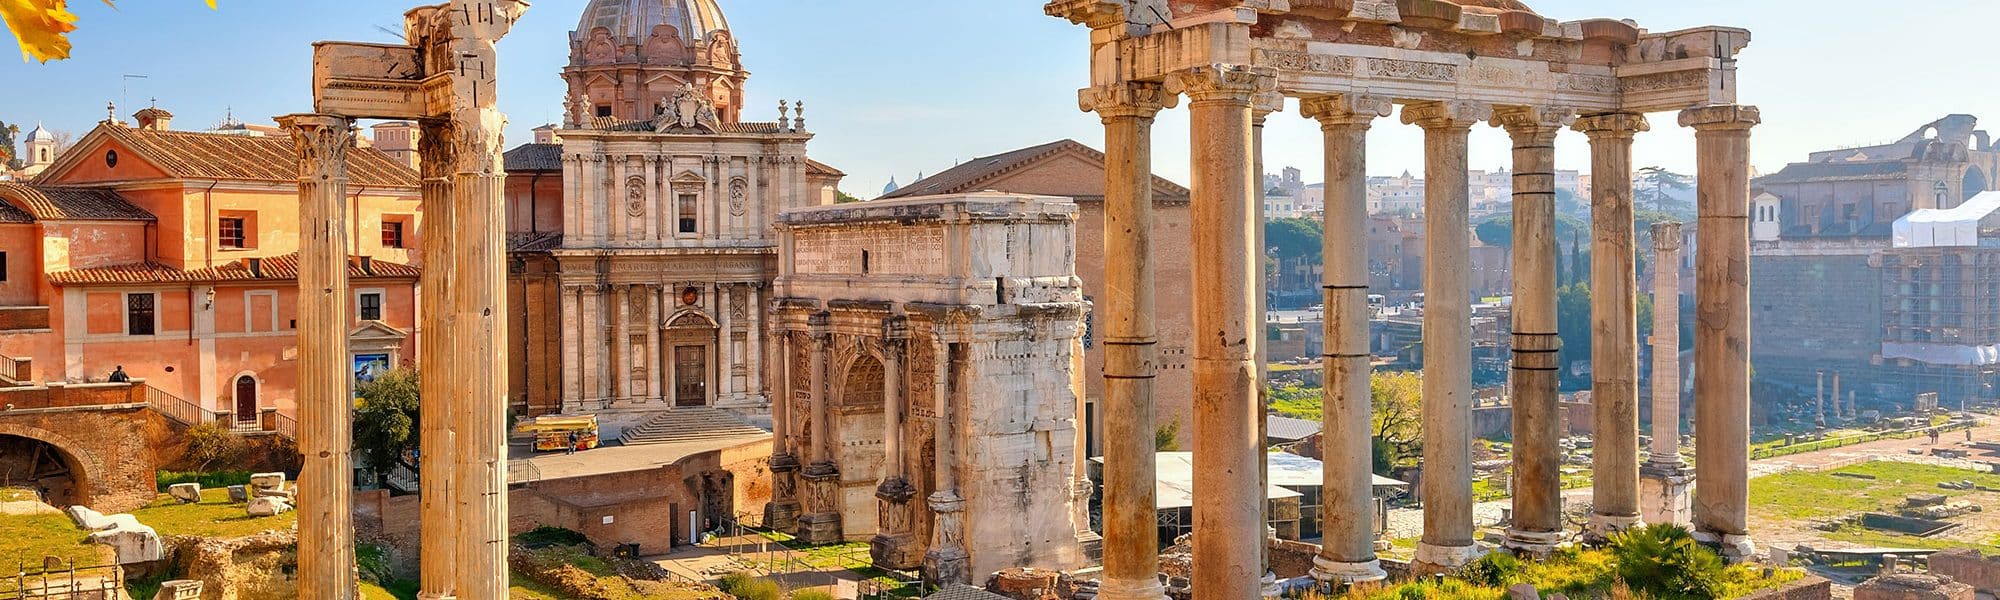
<point>1913,586</point>
<point>131,545</point>
<point>257,567</point>
<point>238,493</point>
<point>1523,591</point>
<point>179,589</point>
<point>90,520</point>
<point>1969,567</point>
<point>267,481</point>
<point>268,506</point>
<point>187,493</point>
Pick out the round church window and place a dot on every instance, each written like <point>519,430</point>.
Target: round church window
<point>111,158</point>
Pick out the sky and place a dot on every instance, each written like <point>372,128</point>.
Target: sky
<point>894,88</point>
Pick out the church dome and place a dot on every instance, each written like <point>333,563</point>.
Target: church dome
<point>691,20</point>
<point>40,135</point>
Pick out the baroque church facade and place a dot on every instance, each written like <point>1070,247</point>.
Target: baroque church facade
<point>641,230</point>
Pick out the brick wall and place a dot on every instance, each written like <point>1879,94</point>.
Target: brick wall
<point>1970,567</point>
<point>112,453</point>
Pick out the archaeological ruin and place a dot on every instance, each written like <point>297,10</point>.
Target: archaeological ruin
<point>1450,65</point>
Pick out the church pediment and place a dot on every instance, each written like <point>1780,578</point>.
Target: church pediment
<point>376,331</point>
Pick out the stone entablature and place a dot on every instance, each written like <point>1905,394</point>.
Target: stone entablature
<point>1512,57</point>
<point>931,409</point>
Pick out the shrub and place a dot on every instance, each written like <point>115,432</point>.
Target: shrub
<point>745,586</point>
<point>1665,561</point>
<point>1496,569</point>
<point>210,444</point>
<point>812,594</point>
<point>208,480</point>
<point>545,536</point>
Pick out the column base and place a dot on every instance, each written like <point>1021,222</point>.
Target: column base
<point>782,515</point>
<point>1131,589</point>
<point>1433,559</point>
<point>1539,544</point>
<point>1663,493</point>
<point>1091,545</point>
<point>946,566</point>
<point>1734,548</point>
<point>1270,589</point>
<point>1343,573</point>
<point>898,552</point>
<point>424,596</point>
<point>1603,526</point>
<point>820,529</point>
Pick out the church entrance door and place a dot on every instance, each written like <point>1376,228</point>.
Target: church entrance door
<point>690,376</point>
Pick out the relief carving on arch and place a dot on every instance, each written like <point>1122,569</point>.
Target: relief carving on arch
<point>802,392</point>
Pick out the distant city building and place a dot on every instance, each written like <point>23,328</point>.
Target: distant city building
<point>1880,263</point>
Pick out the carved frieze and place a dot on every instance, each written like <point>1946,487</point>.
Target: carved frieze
<point>1672,80</point>
<point>1306,62</point>
<point>1410,69</point>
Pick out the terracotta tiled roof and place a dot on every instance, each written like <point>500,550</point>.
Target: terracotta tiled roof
<point>534,157</point>
<point>64,203</point>
<point>969,176</point>
<point>276,268</point>
<point>193,155</point>
<point>819,168</point>
<point>1836,171</point>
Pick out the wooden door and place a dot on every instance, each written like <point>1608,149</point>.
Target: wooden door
<point>690,376</point>
<point>246,399</point>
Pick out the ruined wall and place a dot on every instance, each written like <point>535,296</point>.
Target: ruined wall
<point>1969,567</point>
<point>1815,312</point>
<point>110,452</point>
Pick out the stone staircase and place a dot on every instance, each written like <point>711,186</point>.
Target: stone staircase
<point>685,425</point>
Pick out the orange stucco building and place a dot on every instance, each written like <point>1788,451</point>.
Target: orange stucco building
<point>174,255</point>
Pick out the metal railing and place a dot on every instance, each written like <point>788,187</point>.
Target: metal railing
<point>759,551</point>
<point>57,579</point>
<point>187,413</point>
<point>286,426</point>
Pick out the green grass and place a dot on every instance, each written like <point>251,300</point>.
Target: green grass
<point>213,517</point>
<point>1882,539</point>
<point>207,479</point>
<point>14,494</point>
<point>25,539</point>
<point>1577,574</point>
<point>1822,495</point>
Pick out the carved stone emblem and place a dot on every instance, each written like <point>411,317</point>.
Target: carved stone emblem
<point>635,196</point>
<point>688,111</point>
<point>738,196</point>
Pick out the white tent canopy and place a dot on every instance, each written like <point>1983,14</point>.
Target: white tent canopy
<point>1946,227</point>
<point>1174,472</point>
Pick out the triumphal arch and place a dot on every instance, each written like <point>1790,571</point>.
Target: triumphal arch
<point>1451,65</point>
<point>445,79</point>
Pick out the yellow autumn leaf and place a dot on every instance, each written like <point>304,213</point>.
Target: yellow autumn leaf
<point>41,26</point>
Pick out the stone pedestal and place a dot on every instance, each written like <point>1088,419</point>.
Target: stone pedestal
<point>821,524</point>
<point>947,562</point>
<point>1663,493</point>
<point>782,513</point>
<point>1913,587</point>
<point>896,546</point>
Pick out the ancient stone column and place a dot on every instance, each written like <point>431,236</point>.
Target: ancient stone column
<point>1849,407</point>
<point>439,401</point>
<point>1129,338</point>
<point>821,523</point>
<point>1228,487</point>
<point>947,561</point>
<point>893,547</point>
<point>1819,398</point>
<point>1722,327</point>
<point>1664,479</point>
<point>1537,368</point>
<point>1347,500</point>
<point>1261,107</point>
<point>782,513</point>
<point>326,372</point>
<point>1614,325</point>
<point>1448,541</point>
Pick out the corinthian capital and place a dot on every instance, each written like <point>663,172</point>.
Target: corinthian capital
<point>1223,83</point>
<point>1725,117</point>
<point>321,142</point>
<point>1095,14</point>
<point>1129,99</point>
<point>1447,115</point>
<point>1613,125</point>
<point>1531,123</point>
<point>1346,109</point>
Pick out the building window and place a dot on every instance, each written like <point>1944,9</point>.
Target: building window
<point>139,310</point>
<point>371,307</point>
<point>604,110</point>
<point>3,266</point>
<point>392,234</point>
<point>687,213</point>
<point>231,232</point>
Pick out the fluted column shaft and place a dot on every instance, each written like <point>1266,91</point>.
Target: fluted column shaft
<point>1722,326</point>
<point>1614,324</point>
<point>1347,500</point>
<point>439,401</point>
<point>1447,479</point>
<point>1666,449</point>
<point>1537,371</point>
<point>326,376</point>
<point>1129,338</point>
<point>1228,454</point>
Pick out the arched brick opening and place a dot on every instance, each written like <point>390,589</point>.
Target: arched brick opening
<point>61,470</point>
